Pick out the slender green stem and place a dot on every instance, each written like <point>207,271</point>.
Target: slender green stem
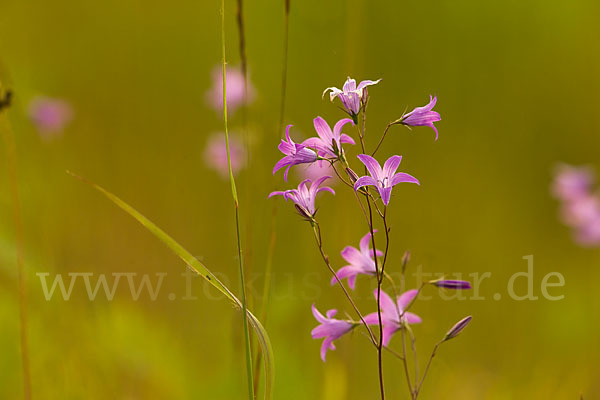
<point>237,219</point>
<point>382,137</point>
<point>405,364</point>
<point>284,68</point>
<point>14,189</point>
<point>418,388</point>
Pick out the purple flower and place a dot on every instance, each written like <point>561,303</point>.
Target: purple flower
<point>423,116</point>
<point>393,316</point>
<point>383,179</point>
<point>215,154</point>
<point>294,154</point>
<point>330,329</point>
<point>50,116</point>
<point>452,284</point>
<point>350,95</point>
<point>572,182</point>
<point>580,206</point>
<point>589,234</point>
<point>361,261</point>
<point>329,143</point>
<point>236,89</point>
<point>304,197</point>
<point>457,328</point>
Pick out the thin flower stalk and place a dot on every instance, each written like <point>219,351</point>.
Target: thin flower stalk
<point>237,219</point>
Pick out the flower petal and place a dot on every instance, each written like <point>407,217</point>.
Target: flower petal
<point>349,85</point>
<point>372,165</point>
<point>412,318</point>
<point>366,83</point>
<point>323,130</point>
<point>337,128</point>
<point>346,272</point>
<point>333,94</point>
<point>364,181</point>
<point>402,177</point>
<point>388,307</point>
<point>318,316</point>
<point>406,298</point>
<point>388,332</point>
<point>391,165</point>
<point>277,193</point>
<point>352,255</point>
<point>385,194</point>
<point>365,242</point>
<point>346,139</point>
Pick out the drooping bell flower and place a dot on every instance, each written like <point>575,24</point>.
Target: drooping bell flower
<point>330,329</point>
<point>304,196</point>
<point>423,116</point>
<point>360,261</point>
<point>351,95</point>
<point>295,154</point>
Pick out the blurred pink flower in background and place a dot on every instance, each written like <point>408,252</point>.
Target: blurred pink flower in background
<point>317,170</point>
<point>234,79</point>
<point>50,116</point>
<point>215,154</point>
<point>580,205</point>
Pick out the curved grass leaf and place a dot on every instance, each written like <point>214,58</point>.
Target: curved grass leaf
<point>196,266</point>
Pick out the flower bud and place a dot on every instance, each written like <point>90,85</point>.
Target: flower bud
<point>405,260</point>
<point>457,328</point>
<point>451,284</point>
<point>352,175</point>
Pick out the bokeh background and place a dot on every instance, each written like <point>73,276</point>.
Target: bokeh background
<point>517,84</point>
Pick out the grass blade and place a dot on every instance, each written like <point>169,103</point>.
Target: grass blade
<point>193,263</point>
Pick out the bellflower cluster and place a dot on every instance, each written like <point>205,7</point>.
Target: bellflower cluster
<point>393,314</point>
<point>580,204</point>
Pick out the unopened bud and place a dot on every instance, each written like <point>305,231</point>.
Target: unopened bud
<point>457,328</point>
<point>405,260</point>
<point>352,175</point>
<point>451,284</point>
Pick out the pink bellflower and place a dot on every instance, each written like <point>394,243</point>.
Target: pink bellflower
<point>235,86</point>
<point>383,179</point>
<point>423,116</point>
<point>295,154</point>
<point>330,329</point>
<point>215,154</point>
<point>393,316</point>
<point>361,261</point>
<point>329,142</point>
<point>351,95</point>
<point>304,196</point>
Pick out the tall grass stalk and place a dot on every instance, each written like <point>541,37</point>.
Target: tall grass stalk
<point>11,156</point>
<point>237,218</point>
<point>195,265</point>
<point>286,31</point>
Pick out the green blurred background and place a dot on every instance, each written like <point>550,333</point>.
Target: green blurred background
<point>517,85</point>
